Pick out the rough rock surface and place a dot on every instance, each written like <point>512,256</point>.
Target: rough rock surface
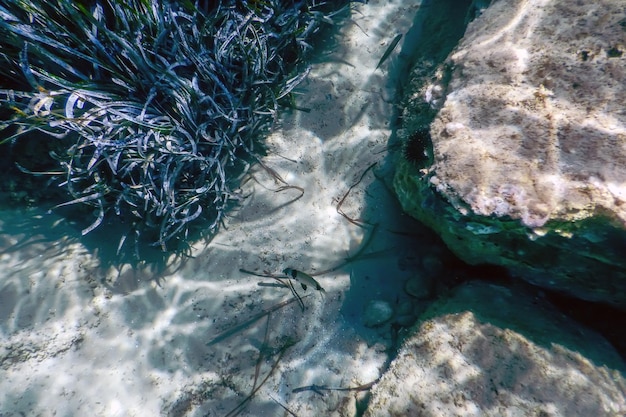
<point>528,160</point>
<point>512,355</point>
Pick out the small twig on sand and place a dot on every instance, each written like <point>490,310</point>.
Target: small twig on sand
<point>235,411</point>
<point>281,188</point>
<point>356,222</point>
<point>233,330</point>
<point>287,284</point>
<point>279,179</point>
<point>257,368</point>
<point>283,406</point>
<point>319,388</point>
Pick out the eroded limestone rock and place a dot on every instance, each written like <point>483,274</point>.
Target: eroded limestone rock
<point>528,160</point>
<point>494,351</point>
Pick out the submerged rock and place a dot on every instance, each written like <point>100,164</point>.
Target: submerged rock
<point>376,313</point>
<point>491,351</point>
<point>418,288</point>
<point>528,161</point>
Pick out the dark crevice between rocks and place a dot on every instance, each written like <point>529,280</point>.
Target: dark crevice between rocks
<point>604,319</point>
<point>601,318</point>
<point>437,28</point>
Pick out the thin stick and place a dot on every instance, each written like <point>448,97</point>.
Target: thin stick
<point>246,271</point>
<point>284,187</point>
<point>228,333</point>
<point>281,188</point>
<point>235,411</point>
<point>318,388</point>
<point>359,223</point>
<point>295,293</point>
<point>257,368</point>
<point>287,284</point>
<point>272,172</point>
<point>288,159</point>
<point>283,406</point>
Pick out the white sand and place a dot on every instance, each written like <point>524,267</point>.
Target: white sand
<point>71,346</point>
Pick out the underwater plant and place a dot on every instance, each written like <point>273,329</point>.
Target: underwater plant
<point>151,110</point>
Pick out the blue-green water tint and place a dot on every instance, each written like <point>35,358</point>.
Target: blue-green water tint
<point>159,111</point>
<point>106,336</point>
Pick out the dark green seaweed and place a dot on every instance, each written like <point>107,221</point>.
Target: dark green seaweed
<point>151,110</point>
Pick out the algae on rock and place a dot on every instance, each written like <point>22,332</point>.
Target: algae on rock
<point>528,160</point>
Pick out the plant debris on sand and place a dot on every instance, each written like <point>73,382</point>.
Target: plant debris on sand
<point>152,110</point>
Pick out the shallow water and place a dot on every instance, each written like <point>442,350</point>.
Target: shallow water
<point>196,336</point>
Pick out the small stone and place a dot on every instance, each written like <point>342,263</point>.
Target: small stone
<point>376,313</point>
<point>418,288</point>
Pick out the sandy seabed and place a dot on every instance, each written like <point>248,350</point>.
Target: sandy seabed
<point>79,337</point>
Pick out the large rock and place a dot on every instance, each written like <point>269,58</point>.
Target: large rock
<point>528,161</point>
<point>493,351</point>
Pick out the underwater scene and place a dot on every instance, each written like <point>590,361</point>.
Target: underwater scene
<point>312,208</point>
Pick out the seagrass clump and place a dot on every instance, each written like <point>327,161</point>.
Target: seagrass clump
<point>152,110</point>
